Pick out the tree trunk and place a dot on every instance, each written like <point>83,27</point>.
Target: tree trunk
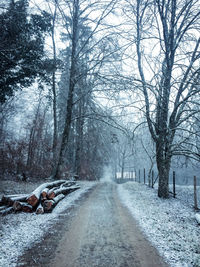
<point>55,134</point>
<point>163,165</point>
<point>79,139</point>
<point>72,82</point>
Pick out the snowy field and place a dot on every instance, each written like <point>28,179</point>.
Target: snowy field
<point>169,224</point>
<point>20,231</point>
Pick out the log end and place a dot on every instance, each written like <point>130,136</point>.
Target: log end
<point>32,200</point>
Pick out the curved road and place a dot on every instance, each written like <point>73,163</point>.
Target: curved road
<point>104,234</point>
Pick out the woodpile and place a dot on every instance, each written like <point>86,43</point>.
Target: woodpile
<point>43,199</point>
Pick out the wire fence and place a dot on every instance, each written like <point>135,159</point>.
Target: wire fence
<point>188,194</point>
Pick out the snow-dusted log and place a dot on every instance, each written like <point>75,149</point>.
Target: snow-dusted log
<point>44,193</point>
<point>21,206</point>
<point>68,183</point>
<point>16,195</point>
<point>50,204</point>
<point>34,197</point>
<point>17,206</point>
<point>62,190</point>
<point>50,194</point>
<point>197,217</point>
<point>65,185</point>
<point>6,211</point>
<point>40,209</point>
<point>10,199</point>
<point>3,207</point>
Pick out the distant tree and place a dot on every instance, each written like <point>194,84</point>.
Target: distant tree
<point>21,47</point>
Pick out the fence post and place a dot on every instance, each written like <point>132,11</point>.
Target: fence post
<point>152,178</point>
<point>144,176</point>
<point>174,184</point>
<point>139,175</point>
<point>195,193</point>
<point>149,178</point>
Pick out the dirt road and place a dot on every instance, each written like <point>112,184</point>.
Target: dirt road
<point>101,233</point>
<point>104,234</point>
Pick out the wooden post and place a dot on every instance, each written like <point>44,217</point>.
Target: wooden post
<point>144,176</point>
<point>174,184</point>
<point>152,178</point>
<point>139,176</point>
<point>195,193</point>
<point>149,178</point>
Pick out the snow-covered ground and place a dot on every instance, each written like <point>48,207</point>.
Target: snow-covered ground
<point>186,194</point>
<point>19,231</point>
<point>169,224</point>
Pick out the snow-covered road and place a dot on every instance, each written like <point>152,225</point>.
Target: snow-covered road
<point>100,232</point>
<point>98,226</point>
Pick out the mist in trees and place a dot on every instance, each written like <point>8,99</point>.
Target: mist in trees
<point>88,84</point>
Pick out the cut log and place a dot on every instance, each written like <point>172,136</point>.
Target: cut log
<point>40,209</point>
<point>197,217</point>
<point>16,195</point>
<point>6,211</point>
<point>50,194</point>
<point>34,197</point>
<point>17,206</point>
<point>62,190</point>
<point>44,193</point>
<point>21,206</point>
<point>7,200</point>
<point>50,204</point>
<point>3,207</point>
<point>68,183</point>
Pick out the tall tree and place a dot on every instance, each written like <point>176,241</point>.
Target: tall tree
<point>78,14</point>
<point>21,47</point>
<point>167,49</point>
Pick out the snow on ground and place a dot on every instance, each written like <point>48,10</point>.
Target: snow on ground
<point>169,224</point>
<point>186,194</point>
<point>19,231</point>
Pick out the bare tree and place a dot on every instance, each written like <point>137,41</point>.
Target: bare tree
<point>167,49</point>
<point>78,13</point>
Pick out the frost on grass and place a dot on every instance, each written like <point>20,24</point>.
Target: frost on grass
<point>20,231</point>
<point>168,224</point>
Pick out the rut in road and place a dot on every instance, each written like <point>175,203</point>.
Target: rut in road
<point>103,233</point>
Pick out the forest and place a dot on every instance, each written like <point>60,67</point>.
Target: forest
<point>93,85</point>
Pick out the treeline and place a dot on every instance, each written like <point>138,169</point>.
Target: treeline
<point>60,125</point>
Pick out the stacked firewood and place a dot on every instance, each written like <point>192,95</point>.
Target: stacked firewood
<point>43,199</point>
